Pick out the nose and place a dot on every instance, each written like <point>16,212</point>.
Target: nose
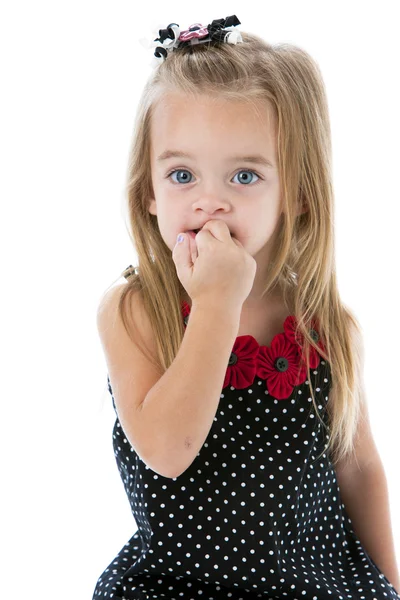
<point>211,202</point>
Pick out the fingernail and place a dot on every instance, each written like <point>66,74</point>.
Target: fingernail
<point>180,238</point>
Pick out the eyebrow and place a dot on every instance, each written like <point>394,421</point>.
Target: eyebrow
<point>256,158</point>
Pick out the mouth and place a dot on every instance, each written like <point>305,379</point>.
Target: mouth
<point>196,231</point>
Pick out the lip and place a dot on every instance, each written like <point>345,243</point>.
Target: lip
<point>201,227</point>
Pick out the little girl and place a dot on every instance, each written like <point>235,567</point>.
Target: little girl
<point>236,372</point>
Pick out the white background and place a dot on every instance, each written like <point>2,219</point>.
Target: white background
<point>71,75</point>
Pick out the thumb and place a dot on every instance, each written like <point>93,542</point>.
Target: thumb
<point>180,250</point>
<point>237,242</point>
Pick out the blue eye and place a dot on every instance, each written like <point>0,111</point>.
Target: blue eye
<point>185,180</point>
<point>179,171</point>
<point>246,171</point>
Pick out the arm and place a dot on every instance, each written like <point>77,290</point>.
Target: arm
<point>365,496</point>
<point>179,410</point>
<point>364,489</point>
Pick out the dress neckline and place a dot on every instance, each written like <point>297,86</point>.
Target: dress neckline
<point>287,323</point>
<point>282,364</point>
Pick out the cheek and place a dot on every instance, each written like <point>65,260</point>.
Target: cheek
<point>259,226</point>
<point>169,227</point>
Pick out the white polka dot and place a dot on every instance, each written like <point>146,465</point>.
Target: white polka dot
<point>258,513</point>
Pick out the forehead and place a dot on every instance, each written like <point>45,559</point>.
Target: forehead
<point>183,121</point>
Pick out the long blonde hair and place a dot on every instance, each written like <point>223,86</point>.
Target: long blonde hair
<point>303,263</point>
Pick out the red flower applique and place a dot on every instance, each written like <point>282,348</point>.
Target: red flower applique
<point>289,327</point>
<point>281,364</point>
<point>185,311</point>
<point>242,364</point>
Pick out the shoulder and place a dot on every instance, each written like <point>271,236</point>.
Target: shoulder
<point>110,300</point>
<point>134,326</point>
<point>109,306</point>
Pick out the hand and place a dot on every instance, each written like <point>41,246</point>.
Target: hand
<point>214,267</point>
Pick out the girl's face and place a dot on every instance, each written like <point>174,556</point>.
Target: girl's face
<point>217,179</point>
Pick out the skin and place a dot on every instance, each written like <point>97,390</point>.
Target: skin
<point>245,195</point>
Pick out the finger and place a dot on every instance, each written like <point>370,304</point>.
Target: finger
<point>235,241</point>
<point>217,228</point>
<point>193,249</point>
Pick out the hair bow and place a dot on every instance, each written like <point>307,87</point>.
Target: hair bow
<point>172,38</point>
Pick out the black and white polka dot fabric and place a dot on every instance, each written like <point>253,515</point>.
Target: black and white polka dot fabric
<point>258,514</point>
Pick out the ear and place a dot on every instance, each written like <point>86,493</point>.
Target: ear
<point>302,206</point>
<point>302,209</point>
<point>153,206</point>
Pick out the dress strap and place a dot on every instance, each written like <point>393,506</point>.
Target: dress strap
<point>129,271</point>
<point>111,392</point>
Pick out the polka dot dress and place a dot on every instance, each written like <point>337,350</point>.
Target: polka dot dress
<point>258,513</point>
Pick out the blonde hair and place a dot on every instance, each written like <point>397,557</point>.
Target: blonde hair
<point>290,82</point>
